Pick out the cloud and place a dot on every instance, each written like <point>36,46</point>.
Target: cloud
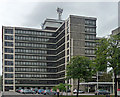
<point>105,12</point>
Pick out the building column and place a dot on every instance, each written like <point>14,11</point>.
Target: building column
<point>14,59</point>
<point>88,89</point>
<point>111,91</point>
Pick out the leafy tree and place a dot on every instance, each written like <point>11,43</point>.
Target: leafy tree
<point>101,55</point>
<point>60,86</point>
<point>108,55</point>
<point>106,77</point>
<point>79,68</point>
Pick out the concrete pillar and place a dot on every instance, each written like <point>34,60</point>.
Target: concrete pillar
<point>72,87</point>
<point>88,89</point>
<point>95,87</point>
<point>111,91</point>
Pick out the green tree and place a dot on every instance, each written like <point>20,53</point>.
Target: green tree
<point>108,55</point>
<point>106,77</point>
<point>61,87</point>
<point>79,68</point>
<point>101,55</point>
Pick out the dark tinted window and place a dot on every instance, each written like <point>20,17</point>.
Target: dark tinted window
<point>90,22</point>
<point>8,62</point>
<point>8,81</point>
<point>8,56</point>
<point>7,88</point>
<point>9,31</point>
<point>67,52</point>
<point>8,75</point>
<point>8,43</point>
<point>9,50</point>
<point>8,37</point>
<point>68,45</point>
<point>8,69</point>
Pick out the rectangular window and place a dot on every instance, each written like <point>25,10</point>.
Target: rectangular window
<point>67,52</point>
<point>90,29</point>
<point>8,43</point>
<point>8,81</point>
<point>9,50</point>
<point>7,37</point>
<point>8,56</point>
<point>8,75</point>
<point>7,88</point>
<point>8,69</point>
<point>67,59</point>
<point>9,63</point>
<point>8,31</point>
<point>67,37</point>
<point>68,45</point>
<point>90,22</point>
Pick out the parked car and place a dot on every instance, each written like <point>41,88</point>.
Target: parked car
<point>17,90</point>
<point>48,92</point>
<point>20,91</point>
<point>102,92</point>
<point>36,90</point>
<point>80,91</point>
<point>28,91</point>
<point>40,91</point>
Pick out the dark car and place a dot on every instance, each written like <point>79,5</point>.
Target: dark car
<point>48,92</point>
<point>102,92</point>
<point>68,90</point>
<point>27,91</point>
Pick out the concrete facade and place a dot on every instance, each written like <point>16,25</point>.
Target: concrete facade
<point>37,58</point>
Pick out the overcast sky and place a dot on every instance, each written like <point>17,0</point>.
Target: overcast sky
<point>32,14</point>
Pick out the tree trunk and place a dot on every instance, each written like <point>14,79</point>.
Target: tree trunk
<point>78,87</point>
<point>115,84</point>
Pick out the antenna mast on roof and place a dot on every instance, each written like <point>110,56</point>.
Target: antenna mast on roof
<point>59,11</point>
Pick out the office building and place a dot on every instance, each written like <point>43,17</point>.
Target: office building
<point>37,58</point>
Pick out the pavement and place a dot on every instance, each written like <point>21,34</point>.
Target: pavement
<point>15,94</point>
